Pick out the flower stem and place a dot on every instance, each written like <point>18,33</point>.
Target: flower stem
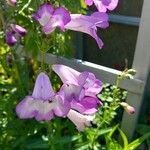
<point>42,60</point>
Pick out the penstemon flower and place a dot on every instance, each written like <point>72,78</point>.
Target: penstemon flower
<point>89,24</point>
<point>80,88</point>
<point>103,5</point>
<point>50,18</point>
<point>43,104</point>
<point>15,32</point>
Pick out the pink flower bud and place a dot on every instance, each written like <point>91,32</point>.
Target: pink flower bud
<point>129,109</point>
<point>12,2</point>
<point>18,29</point>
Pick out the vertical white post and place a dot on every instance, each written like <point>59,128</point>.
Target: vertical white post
<point>141,64</point>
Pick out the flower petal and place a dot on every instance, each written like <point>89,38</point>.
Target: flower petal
<point>72,92</point>
<point>62,106</point>
<point>95,89</point>
<point>10,39</point>
<point>44,14</point>
<point>43,89</point>
<point>112,5</point>
<point>62,17</point>
<point>67,74</point>
<point>30,108</point>
<point>89,2</point>
<point>80,121</point>
<point>88,105</point>
<point>100,6</point>
<point>88,24</point>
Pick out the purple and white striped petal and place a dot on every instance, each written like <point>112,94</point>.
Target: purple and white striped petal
<point>72,92</point>
<point>32,108</point>
<point>62,17</point>
<point>44,14</point>
<point>50,18</point>
<point>44,104</point>
<point>43,89</point>
<point>42,110</point>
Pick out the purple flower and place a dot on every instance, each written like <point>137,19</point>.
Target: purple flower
<point>89,24</point>
<point>43,104</point>
<point>10,39</point>
<point>103,5</point>
<point>50,18</point>
<point>14,33</point>
<point>18,29</point>
<point>81,121</point>
<point>80,88</point>
<point>12,2</point>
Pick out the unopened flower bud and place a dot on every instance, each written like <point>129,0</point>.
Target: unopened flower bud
<point>18,29</point>
<point>129,109</point>
<point>10,39</point>
<point>12,2</point>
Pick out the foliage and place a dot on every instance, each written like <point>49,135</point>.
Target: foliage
<point>17,76</point>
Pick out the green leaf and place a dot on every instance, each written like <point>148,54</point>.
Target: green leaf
<point>68,139</point>
<point>83,146</point>
<point>133,145</point>
<point>142,129</point>
<point>125,140</point>
<point>109,99</point>
<point>113,145</point>
<point>36,144</point>
<point>112,131</point>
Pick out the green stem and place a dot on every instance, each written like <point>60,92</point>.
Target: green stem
<point>2,19</point>
<point>42,60</point>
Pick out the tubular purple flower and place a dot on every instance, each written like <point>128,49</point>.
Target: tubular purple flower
<point>81,121</point>
<point>12,2</point>
<point>103,5</point>
<point>43,104</point>
<point>50,18</point>
<point>79,88</point>
<point>18,29</point>
<point>89,24</point>
<point>10,39</point>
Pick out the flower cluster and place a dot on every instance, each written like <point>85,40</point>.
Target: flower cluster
<point>76,98</point>
<point>50,18</point>
<point>14,33</point>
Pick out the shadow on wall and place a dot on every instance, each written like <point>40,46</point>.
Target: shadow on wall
<point>119,39</point>
<point>119,44</point>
